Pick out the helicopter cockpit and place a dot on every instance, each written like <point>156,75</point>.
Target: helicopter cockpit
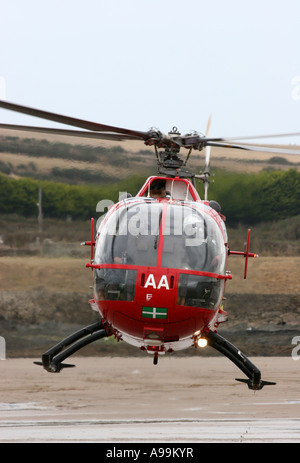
<point>174,235</point>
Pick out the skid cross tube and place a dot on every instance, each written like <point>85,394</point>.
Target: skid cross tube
<point>51,360</point>
<point>239,359</point>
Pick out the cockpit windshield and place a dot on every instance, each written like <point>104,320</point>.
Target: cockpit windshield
<point>171,235</point>
<point>192,241</point>
<point>131,235</point>
<point>189,237</point>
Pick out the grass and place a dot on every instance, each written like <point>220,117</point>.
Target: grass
<point>62,159</point>
<point>276,238</point>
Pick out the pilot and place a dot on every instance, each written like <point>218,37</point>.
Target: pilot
<point>158,189</point>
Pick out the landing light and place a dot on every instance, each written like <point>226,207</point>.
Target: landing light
<point>202,342</point>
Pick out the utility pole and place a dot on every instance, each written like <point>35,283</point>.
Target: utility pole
<point>40,215</point>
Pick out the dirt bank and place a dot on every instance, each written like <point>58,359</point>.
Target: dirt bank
<point>43,300</point>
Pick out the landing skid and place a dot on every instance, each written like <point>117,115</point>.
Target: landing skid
<point>52,359</point>
<point>239,359</point>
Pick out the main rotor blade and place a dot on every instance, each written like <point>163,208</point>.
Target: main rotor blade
<point>263,149</point>
<point>72,133</point>
<point>254,137</point>
<point>94,126</point>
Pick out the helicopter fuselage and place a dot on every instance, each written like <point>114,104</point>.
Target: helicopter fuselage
<point>160,268</point>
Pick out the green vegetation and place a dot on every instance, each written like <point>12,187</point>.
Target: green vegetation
<point>38,148</point>
<point>245,198</point>
<point>73,193</point>
<point>254,198</point>
<point>96,160</point>
<point>69,175</point>
<point>60,200</point>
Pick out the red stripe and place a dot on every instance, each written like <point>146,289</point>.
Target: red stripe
<point>218,276</point>
<point>161,234</point>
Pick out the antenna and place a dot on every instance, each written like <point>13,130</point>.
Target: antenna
<point>187,192</point>
<point>172,185</point>
<point>40,214</point>
<point>207,161</point>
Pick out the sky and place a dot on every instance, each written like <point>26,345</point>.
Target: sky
<point>160,63</point>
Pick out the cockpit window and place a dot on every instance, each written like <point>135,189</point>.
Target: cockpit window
<point>130,235</point>
<point>192,241</point>
<point>191,238</point>
<point>114,284</point>
<point>199,291</point>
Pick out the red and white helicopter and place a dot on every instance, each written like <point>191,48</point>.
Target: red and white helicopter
<point>159,259</point>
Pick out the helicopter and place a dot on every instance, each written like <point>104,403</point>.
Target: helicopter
<point>160,258</point>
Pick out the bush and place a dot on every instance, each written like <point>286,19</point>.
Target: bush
<point>245,198</point>
<point>253,198</point>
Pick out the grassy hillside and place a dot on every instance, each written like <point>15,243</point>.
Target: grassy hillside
<point>251,189</point>
<point>63,159</point>
<point>21,236</point>
<point>75,164</point>
<point>42,300</point>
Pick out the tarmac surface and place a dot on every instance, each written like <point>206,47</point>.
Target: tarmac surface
<point>130,400</point>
